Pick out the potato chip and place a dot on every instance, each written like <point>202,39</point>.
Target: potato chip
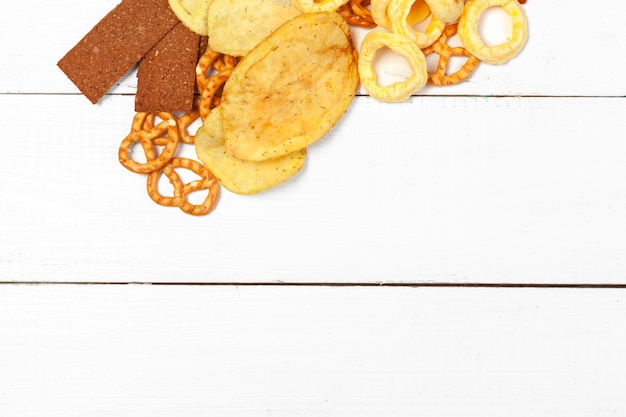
<point>314,6</point>
<point>237,175</point>
<point>192,13</point>
<point>237,26</point>
<point>291,89</point>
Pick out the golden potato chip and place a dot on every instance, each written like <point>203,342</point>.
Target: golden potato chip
<point>237,26</point>
<point>237,175</point>
<point>291,89</point>
<point>192,13</point>
<point>314,6</point>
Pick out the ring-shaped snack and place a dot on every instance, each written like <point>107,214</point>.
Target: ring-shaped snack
<point>472,41</point>
<point>447,11</point>
<point>312,6</point>
<point>378,9</point>
<point>402,45</point>
<point>398,11</point>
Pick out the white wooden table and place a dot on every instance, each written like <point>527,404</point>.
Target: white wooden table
<point>459,254</point>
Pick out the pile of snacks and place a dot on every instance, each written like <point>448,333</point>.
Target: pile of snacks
<point>261,80</point>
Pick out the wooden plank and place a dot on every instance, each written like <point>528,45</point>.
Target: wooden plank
<point>311,351</point>
<point>564,56</point>
<point>442,189</point>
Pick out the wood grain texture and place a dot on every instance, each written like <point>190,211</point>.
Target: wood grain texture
<point>311,351</point>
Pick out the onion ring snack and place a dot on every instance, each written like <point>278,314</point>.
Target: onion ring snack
<point>445,51</point>
<point>402,45</point>
<point>447,11</point>
<point>398,12</point>
<point>471,39</point>
<point>378,9</point>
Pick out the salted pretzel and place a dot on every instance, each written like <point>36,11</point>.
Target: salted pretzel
<point>212,71</point>
<point>356,13</point>
<point>145,132</point>
<point>182,190</point>
<point>445,51</point>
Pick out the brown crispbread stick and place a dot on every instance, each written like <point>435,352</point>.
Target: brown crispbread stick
<point>167,74</point>
<point>115,44</point>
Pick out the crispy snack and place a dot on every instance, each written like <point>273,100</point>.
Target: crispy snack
<point>144,132</point>
<point>212,71</point>
<point>356,13</point>
<point>180,197</point>
<point>314,6</point>
<point>470,36</point>
<point>447,11</point>
<point>192,13</point>
<point>291,89</point>
<point>209,98</point>
<point>237,26</point>
<point>378,8</point>
<point>445,51</point>
<point>398,11</point>
<point>400,44</point>
<point>238,175</point>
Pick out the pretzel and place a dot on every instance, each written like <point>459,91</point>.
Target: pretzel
<point>470,36</point>
<point>181,190</point>
<point>398,11</point>
<point>144,132</point>
<point>356,13</point>
<point>402,45</point>
<point>209,99</point>
<point>445,51</point>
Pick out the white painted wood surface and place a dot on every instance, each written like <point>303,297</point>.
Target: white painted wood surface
<point>514,177</point>
<point>311,351</point>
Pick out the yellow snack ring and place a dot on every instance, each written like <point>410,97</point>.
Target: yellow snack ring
<point>402,45</point>
<point>378,8</point>
<point>470,37</point>
<point>447,11</point>
<point>399,11</point>
<point>312,6</point>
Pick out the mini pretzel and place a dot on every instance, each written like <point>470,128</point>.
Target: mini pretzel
<point>356,13</point>
<point>398,11</point>
<point>209,99</point>
<point>445,51</point>
<point>179,199</point>
<point>470,36</point>
<point>141,133</point>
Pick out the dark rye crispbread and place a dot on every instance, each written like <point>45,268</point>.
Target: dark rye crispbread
<point>115,44</point>
<point>167,73</point>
